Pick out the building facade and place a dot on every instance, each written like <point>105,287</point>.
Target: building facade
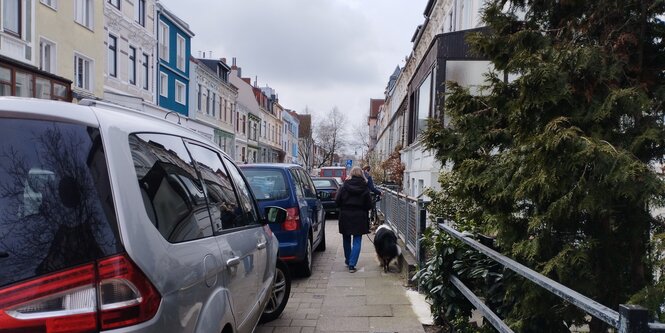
<point>439,54</point>
<point>248,107</point>
<point>270,144</point>
<point>215,98</point>
<point>290,136</point>
<point>173,50</point>
<point>131,46</point>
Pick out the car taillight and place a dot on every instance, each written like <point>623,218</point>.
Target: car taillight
<point>67,301</point>
<point>292,221</point>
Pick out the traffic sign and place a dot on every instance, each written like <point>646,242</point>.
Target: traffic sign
<point>349,164</point>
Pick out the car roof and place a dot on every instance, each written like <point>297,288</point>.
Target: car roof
<point>270,165</point>
<point>100,115</point>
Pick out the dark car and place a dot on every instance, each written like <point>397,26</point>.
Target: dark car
<point>330,186</point>
<point>288,186</point>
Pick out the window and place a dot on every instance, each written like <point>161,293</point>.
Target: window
<point>173,195</point>
<point>163,84</point>
<point>114,3</point>
<point>139,11</point>
<point>51,3</point>
<point>246,202</point>
<point>267,183</point>
<point>244,126</point>
<point>199,97</point>
<point>11,17</point>
<point>5,81</point>
<point>180,92</point>
<point>113,56</point>
<point>84,13</point>
<point>204,97</point>
<point>47,56</point>
<point>226,210</point>
<point>42,88</point>
<point>424,104</point>
<point>214,104</point>
<point>146,72</point>
<point>24,87</point>
<point>207,97</point>
<point>180,48</point>
<point>163,41</point>
<point>82,72</point>
<point>132,65</point>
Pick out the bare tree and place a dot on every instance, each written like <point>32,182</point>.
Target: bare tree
<point>330,135</point>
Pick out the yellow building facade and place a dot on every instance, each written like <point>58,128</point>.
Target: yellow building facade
<point>69,40</point>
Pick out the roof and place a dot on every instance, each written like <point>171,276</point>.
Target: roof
<point>374,106</point>
<point>213,63</point>
<point>174,19</point>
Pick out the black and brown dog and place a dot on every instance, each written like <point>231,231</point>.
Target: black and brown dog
<point>385,244</point>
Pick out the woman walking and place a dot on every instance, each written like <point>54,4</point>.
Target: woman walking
<point>354,202</point>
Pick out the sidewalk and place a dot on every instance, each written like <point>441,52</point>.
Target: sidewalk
<point>334,300</point>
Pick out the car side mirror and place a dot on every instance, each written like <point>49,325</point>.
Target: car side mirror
<point>323,195</point>
<point>275,214</point>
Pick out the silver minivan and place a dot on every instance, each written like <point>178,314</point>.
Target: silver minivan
<point>113,220</point>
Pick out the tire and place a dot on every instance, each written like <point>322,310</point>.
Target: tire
<point>306,265</point>
<point>279,295</point>
<point>322,244</point>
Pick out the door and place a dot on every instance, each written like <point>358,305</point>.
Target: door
<point>240,237</point>
<point>315,208</point>
<point>174,200</point>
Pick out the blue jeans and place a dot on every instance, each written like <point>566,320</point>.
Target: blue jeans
<point>352,252</point>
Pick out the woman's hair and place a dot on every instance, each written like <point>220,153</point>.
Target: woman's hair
<point>356,171</point>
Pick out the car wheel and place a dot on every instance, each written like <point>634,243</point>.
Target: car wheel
<point>279,296</point>
<point>322,244</point>
<point>306,265</point>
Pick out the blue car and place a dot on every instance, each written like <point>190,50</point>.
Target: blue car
<point>288,186</point>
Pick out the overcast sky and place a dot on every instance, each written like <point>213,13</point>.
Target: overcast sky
<point>315,53</point>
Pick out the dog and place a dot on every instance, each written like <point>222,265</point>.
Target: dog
<point>385,244</point>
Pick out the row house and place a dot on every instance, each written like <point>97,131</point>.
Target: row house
<point>51,49</point>
<point>245,117</point>
<point>270,144</point>
<point>131,45</point>
<point>290,136</point>
<point>439,54</point>
<point>213,97</point>
<point>173,50</point>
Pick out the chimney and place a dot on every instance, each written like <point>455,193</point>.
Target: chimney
<point>222,60</point>
<point>256,81</point>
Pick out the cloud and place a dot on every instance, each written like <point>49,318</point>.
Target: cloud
<point>316,53</point>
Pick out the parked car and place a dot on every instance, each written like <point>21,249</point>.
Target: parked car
<point>114,220</point>
<point>330,186</point>
<point>288,186</point>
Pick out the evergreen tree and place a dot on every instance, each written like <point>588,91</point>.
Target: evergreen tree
<point>559,159</point>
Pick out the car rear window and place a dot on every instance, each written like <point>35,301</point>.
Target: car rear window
<point>267,184</point>
<point>323,183</point>
<point>56,207</point>
<point>333,173</point>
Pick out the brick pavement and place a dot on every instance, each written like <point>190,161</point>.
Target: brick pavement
<point>334,300</point>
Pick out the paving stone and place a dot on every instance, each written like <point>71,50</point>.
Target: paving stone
<point>387,299</point>
<point>304,322</point>
<point>394,324</point>
<point>281,321</point>
<point>358,310</point>
<point>343,324</point>
<point>287,330</point>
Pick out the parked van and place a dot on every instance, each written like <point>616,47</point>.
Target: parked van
<point>338,173</point>
<point>113,220</point>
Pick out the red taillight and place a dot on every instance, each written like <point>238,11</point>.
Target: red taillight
<point>292,221</point>
<point>67,301</point>
<point>126,296</point>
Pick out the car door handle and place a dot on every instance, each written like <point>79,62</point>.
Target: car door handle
<point>261,245</point>
<point>233,262</point>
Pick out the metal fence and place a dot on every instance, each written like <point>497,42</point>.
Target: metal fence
<point>406,215</point>
<point>629,319</point>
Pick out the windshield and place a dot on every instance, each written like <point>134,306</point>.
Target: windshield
<point>321,183</point>
<point>267,184</point>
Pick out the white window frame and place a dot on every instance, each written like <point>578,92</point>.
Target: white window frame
<point>20,19</point>
<point>140,19</point>
<point>85,18</point>
<point>163,84</point>
<point>90,71</point>
<point>132,65</point>
<point>163,41</point>
<point>43,42</point>
<point>53,4</point>
<point>114,3</point>
<point>180,94</point>
<point>181,46</point>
